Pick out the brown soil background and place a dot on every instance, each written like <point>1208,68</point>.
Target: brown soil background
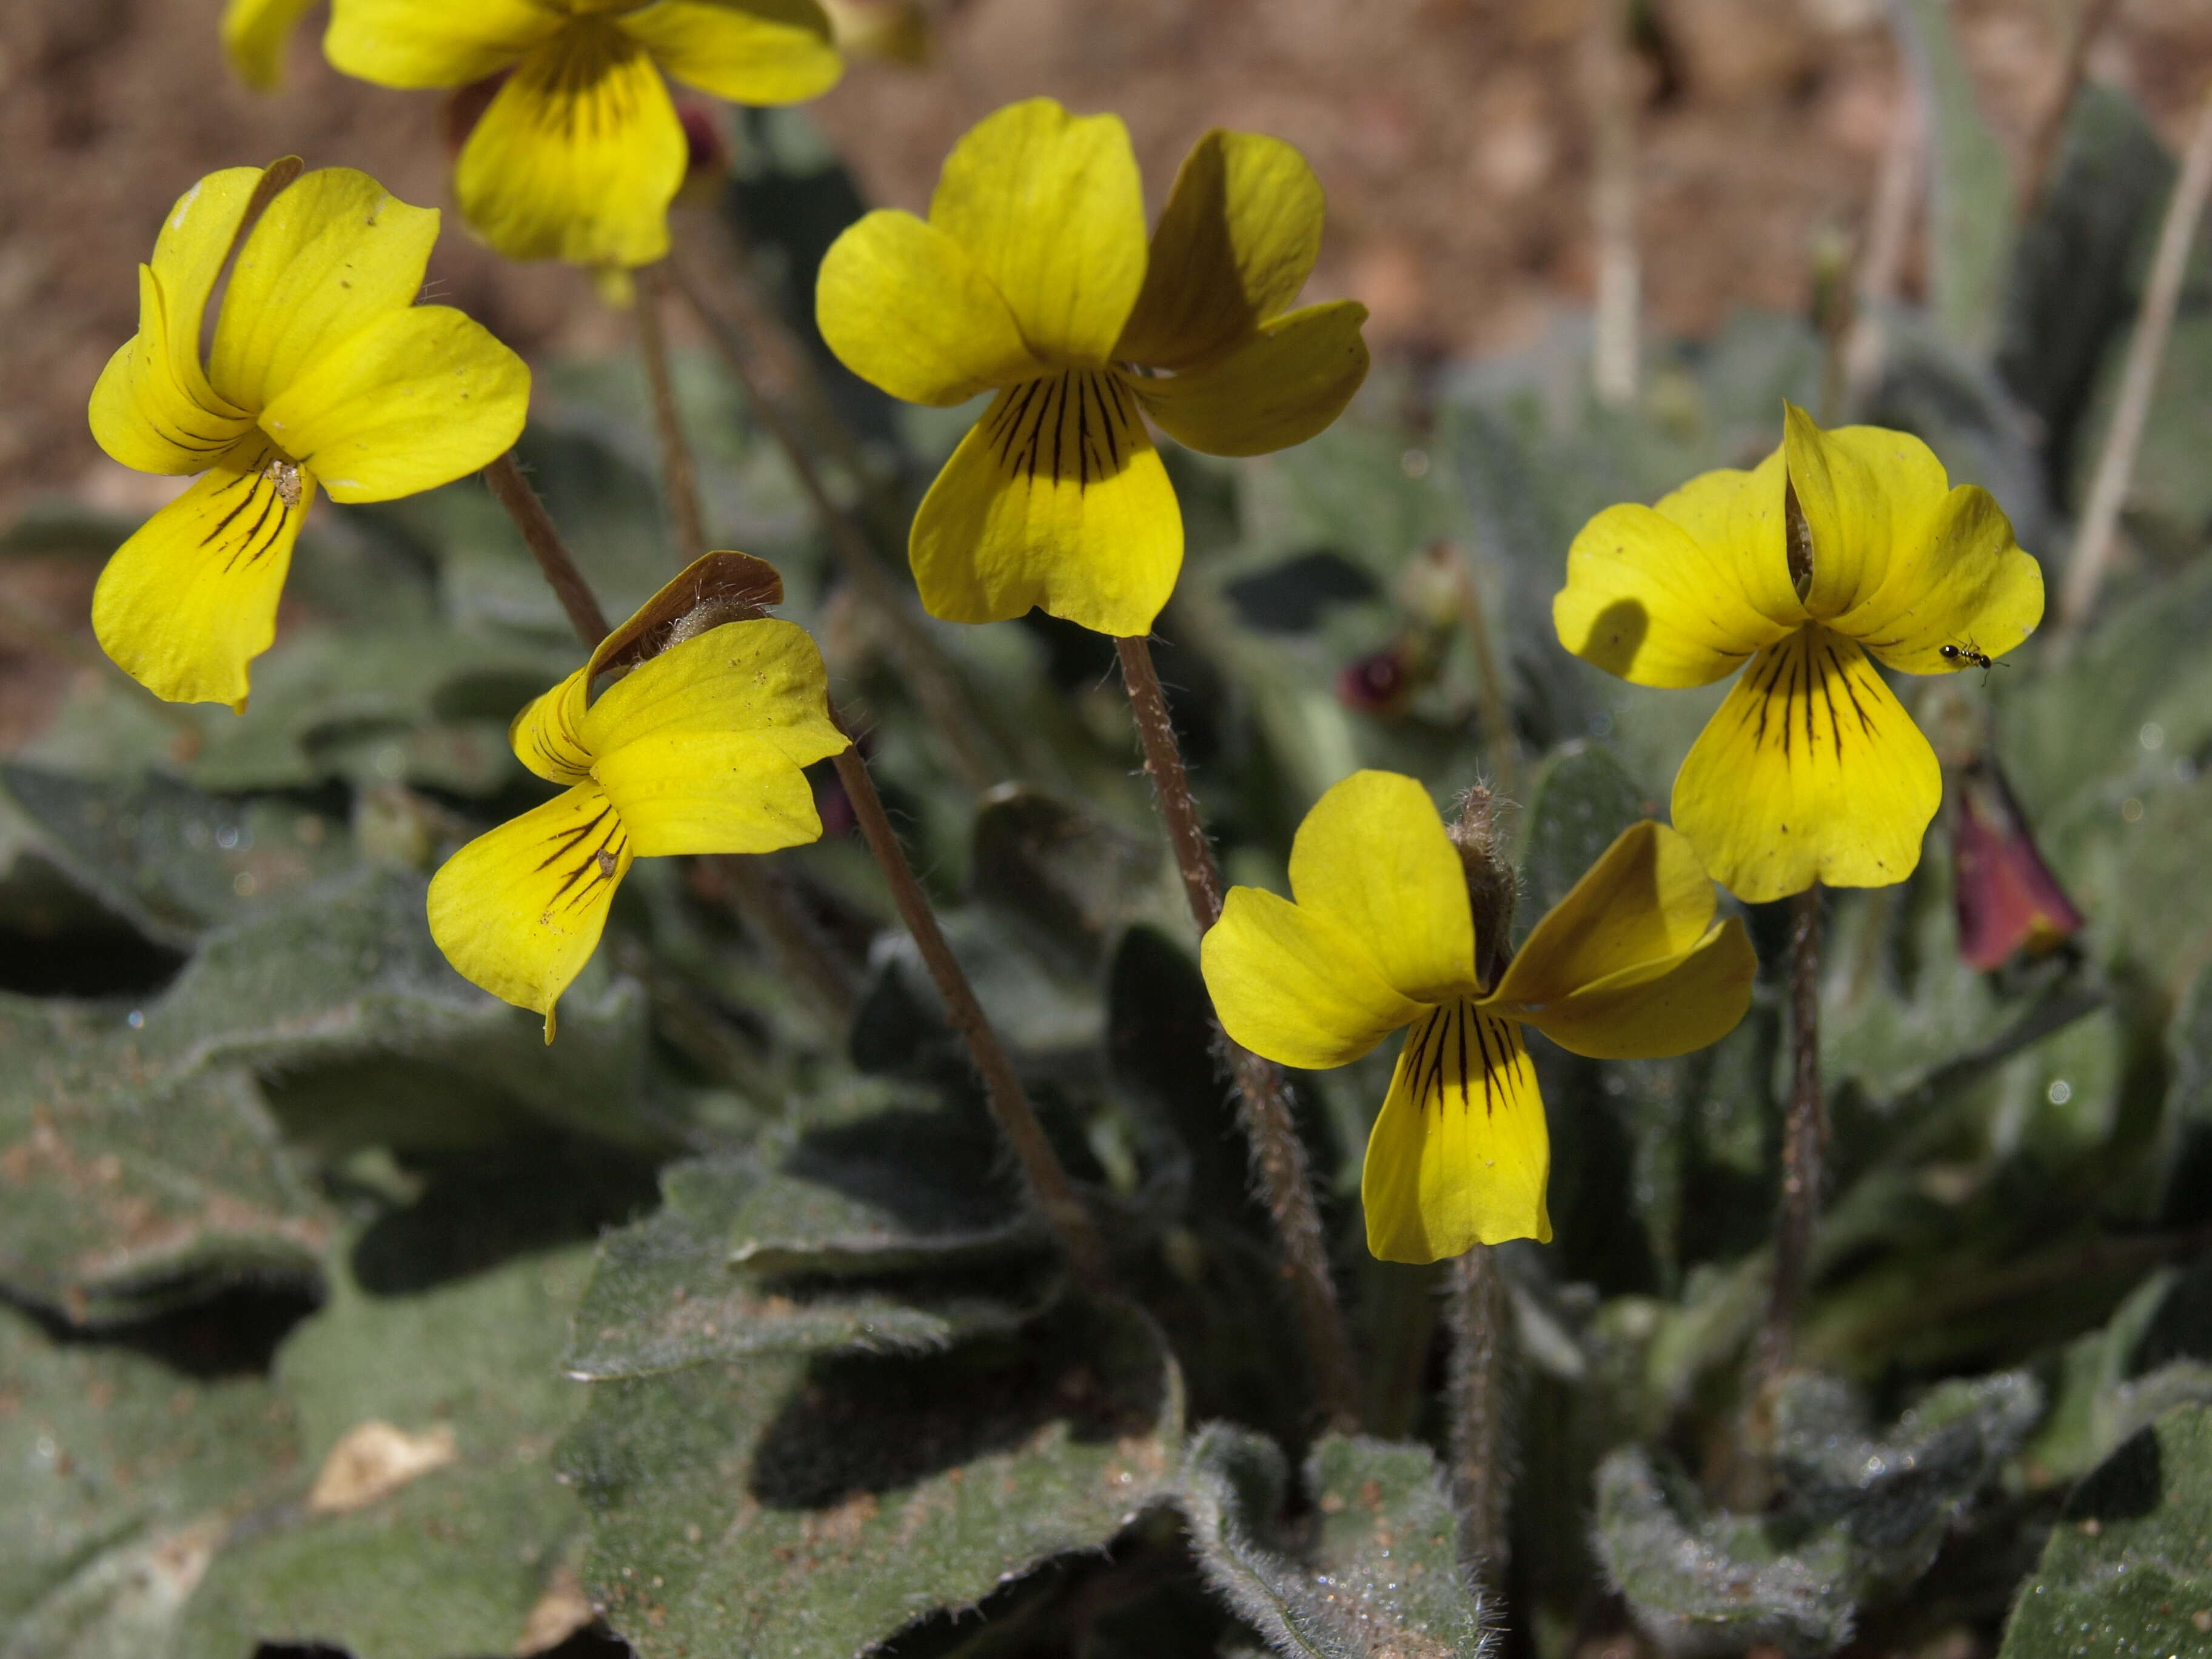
<point>1452,137</point>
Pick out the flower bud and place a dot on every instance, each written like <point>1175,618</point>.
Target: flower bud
<point>2008,900</point>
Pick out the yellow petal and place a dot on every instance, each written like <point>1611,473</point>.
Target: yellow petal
<point>1680,594</point>
<point>435,43</point>
<point>1241,231</point>
<point>419,397</point>
<point>1459,1155</point>
<point>1961,581</point>
<point>578,155</point>
<point>255,33</point>
<point>905,308</point>
<point>1645,904</point>
<point>751,52</point>
<point>701,746</point>
<point>1049,207</point>
<point>547,734</point>
<point>1652,1011</point>
<point>153,408</point>
<point>1056,499</point>
<point>1810,771</point>
<point>190,600</point>
<point>519,910</point>
<point>142,413</point>
<point>1279,388</point>
<point>1373,860</point>
<point>1865,491</point>
<point>1293,986</point>
<point>332,255</point>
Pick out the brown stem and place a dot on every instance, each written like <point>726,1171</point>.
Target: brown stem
<point>1049,1187</point>
<point>935,682</point>
<point>1263,1106</point>
<point>2115,465</point>
<point>513,491</point>
<point>2043,149</point>
<point>1481,1313</point>
<point>679,475</point>
<point>1805,1132</point>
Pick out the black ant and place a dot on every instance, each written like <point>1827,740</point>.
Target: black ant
<point>1969,653</point>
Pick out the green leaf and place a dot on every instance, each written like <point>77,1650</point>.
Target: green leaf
<point>1069,879</point>
<point>812,1508</point>
<point>1580,800</point>
<point>2183,1156</point>
<point>1970,228</point>
<point>455,1558</point>
<point>1375,1575</point>
<point>349,974</point>
<point>119,1477</point>
<point>665,1293</point>
<point>2127,1571</point>
<point>2154,1354</point>
<point>1700,1583</point>
<point>123,1194</point>
<point>171,859</point>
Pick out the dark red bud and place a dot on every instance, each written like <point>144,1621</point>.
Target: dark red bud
<point>1378,684</point>
<point>2008,900</point>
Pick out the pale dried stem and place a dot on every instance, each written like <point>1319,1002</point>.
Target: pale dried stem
<point>2092,545</point>
<point>1480,1310</point>
<point>1049,1187</point>
<point>1611,87</point>
<point>679,474</point>
<point>1500,739</point>
<point>1897,193</point>
<point>1805,1140</point>
<point>2043,149</point>
<point>1263,1106</point>
<point>934,679</point>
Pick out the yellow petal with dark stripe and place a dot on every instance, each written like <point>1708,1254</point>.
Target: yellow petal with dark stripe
<point>145,414</point>
<point>1810,771</point>
<point>1461,1154</point>
<point>519,910</point>
<point>190,600</point>
<point>1057,500</point>
<point>578,155</point>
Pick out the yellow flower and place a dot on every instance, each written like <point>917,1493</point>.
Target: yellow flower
<point>1837,544</point>
<point>1629,963</point>
<point>323,371</point>
<point>697,748</point>
<point>580,152</point>
<point>254,34</point>
<point>1031,277</point>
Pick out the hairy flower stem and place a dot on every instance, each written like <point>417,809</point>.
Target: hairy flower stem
<point>1263,1106</point>
<point>679,475</point>
<point>1049,1187</point>
<point>513,491</point>
<point>927,672</point>
<point>1805,1138</point>
<point>1480,1310</point>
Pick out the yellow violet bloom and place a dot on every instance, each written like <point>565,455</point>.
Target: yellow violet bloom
<point>1382,935</point>
<point>580,152</point>
<point>323,372</point>
<point>1031,277</point>
<point>1837,545</point>
<point>697,748</point>
<point>254,35</point>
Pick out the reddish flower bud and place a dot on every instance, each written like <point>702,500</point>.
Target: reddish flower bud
<point>2008,899</point>
<point>707,145</point>
<point>1378,684</point>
